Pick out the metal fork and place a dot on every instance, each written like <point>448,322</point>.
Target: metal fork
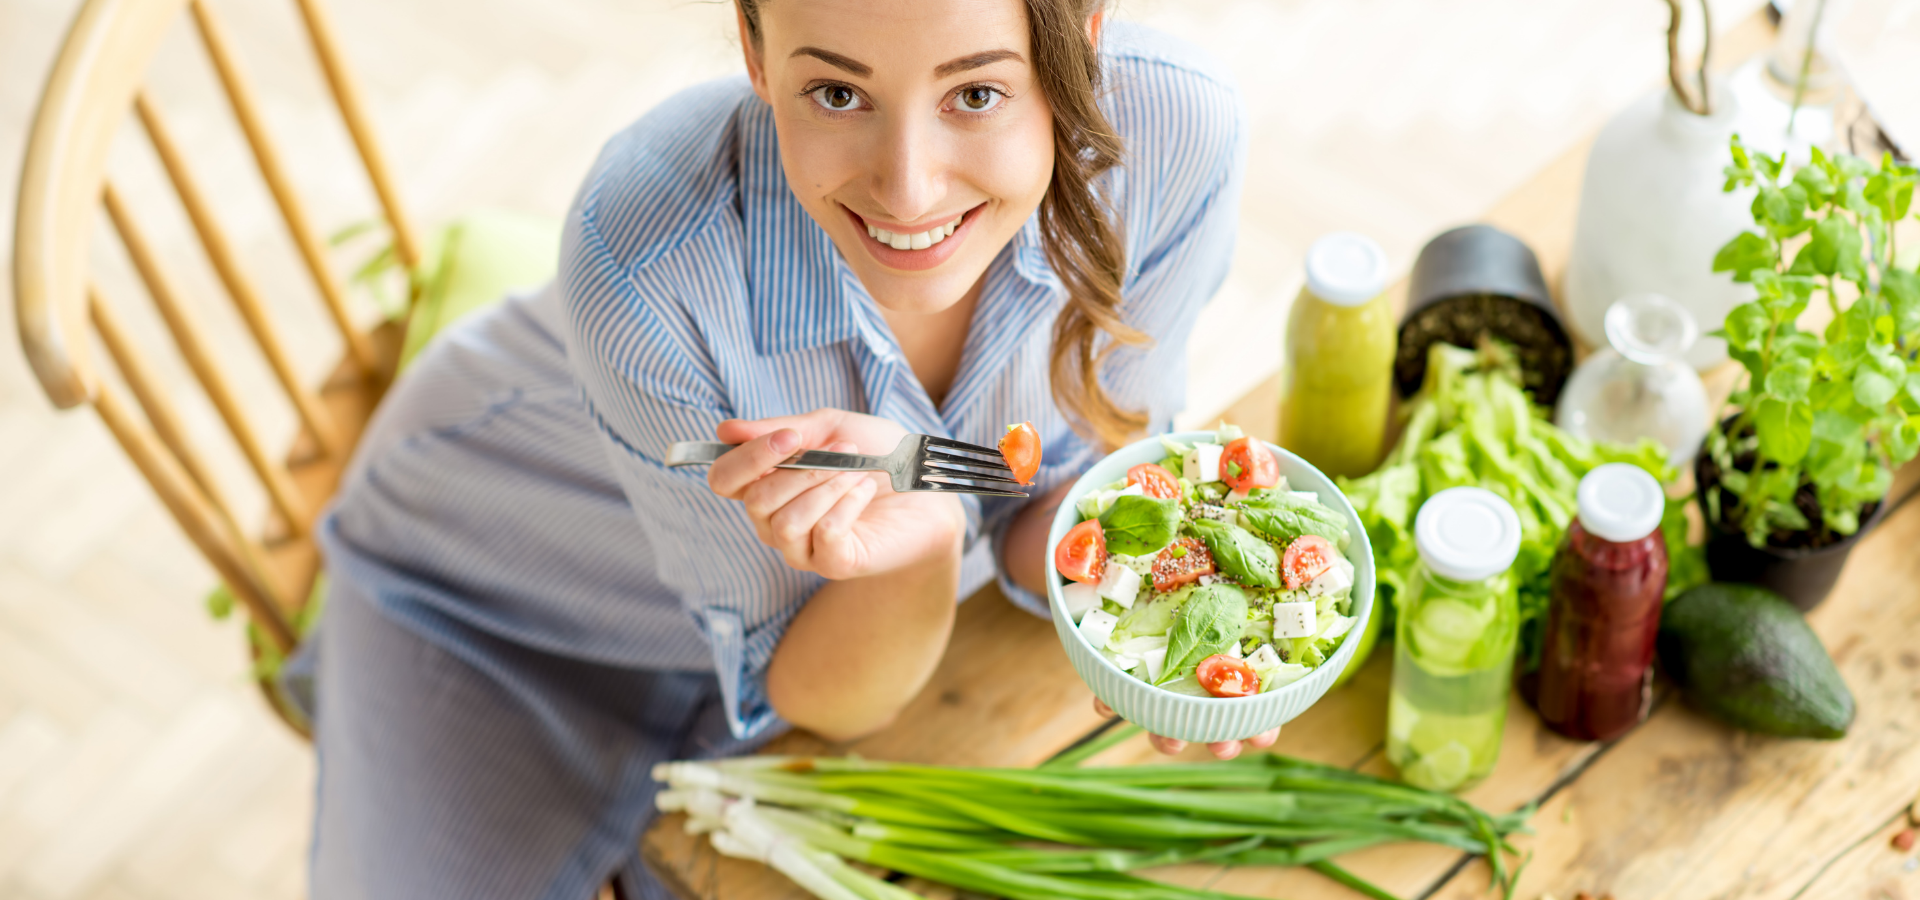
<point>922,462</point>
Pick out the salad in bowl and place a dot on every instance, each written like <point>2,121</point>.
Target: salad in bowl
<point>1207,583</point>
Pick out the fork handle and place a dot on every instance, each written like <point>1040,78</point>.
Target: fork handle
<point>700,453</point>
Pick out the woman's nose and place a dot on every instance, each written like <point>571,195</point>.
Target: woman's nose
<point>908,180</point>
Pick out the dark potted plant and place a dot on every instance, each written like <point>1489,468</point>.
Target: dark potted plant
<point>1800,469</point>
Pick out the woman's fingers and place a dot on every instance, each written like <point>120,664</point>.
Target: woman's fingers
<point>1166,745</point>
<point>743,466</point>
<point>1224,749</point>
<point>791,526</point>
<point>835,554</point>
<point>1101,709</point>
<point>1264,739</point>
<point>814,427</point>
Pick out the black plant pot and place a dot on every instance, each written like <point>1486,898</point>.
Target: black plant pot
<point>1804,577</point>
<point>1478,280</point>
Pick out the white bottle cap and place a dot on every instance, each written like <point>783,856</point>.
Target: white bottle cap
<point>1346,269</point>
<point>1620,502</point>
<point>1467,534</point>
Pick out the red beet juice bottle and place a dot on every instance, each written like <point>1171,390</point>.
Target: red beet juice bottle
<point>1608,580</point>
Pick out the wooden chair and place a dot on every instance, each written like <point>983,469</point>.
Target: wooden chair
<point>97,85</point>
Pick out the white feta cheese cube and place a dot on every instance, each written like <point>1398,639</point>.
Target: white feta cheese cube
<point>1119,584</point>
<point>1234,651</point>
<point>1156,661</point>
<point>1294,620</point>
<point>1126,663</point>
<point>1335,579</point>
<point>1307,496</point>
<point>1206,580</point>
<point>1079,599</point>
<point>1264,658</point>
<point>1097,626</point>
<point>1202,463</point>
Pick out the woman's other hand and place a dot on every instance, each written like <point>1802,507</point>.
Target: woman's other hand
<point>839,525</point>
<point>1221,749</point>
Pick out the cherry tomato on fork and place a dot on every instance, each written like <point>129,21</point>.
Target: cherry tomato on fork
<point>1020,447</point>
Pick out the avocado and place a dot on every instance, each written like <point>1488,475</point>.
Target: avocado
<point>1743,655</point>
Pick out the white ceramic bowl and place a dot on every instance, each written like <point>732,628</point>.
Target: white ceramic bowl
<point>1207,719</point>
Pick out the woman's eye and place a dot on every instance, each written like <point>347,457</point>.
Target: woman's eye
<point>837,98</point>
<point>978,98</point>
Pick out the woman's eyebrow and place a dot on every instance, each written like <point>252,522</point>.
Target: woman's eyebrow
<point>836,60</point>
<point>973,61</point>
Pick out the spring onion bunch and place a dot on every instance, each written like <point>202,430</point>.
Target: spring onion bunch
<point>1058,831</point>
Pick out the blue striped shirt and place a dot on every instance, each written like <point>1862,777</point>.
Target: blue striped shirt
<point>515,482</point>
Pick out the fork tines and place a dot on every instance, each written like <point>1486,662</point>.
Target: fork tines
<point>948,463</point>
<point>992,455</point>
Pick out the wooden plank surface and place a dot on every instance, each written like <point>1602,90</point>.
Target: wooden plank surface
<point>1681,807</point>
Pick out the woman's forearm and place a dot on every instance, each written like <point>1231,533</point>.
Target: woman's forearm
<point>861,648</point>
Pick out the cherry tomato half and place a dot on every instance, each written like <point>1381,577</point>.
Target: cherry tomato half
<point>1082,554</point>
<point>1154,481</point>
<point>1020,446</point>
<point>1183,561</point>
<point>1225,676</point>
<point>1307,557</point>
<point>1247,464</point>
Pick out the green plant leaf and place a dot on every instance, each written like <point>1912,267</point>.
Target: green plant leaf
<point>1904,441</point>
<point>1745,253</point>
<point>1791,379</point>
<point>1786,430</point>
<point>1137,526</point>
<point>1873,389</point>
<point>1746,326</point>
<point>1902,290</point>
<point>1835,248</point>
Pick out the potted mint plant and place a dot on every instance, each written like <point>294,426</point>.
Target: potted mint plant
<point>1801,468</point>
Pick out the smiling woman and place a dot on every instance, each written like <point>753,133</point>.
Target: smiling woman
<point>938,217</point>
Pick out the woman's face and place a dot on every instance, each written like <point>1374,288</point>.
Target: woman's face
<point>913,131</point>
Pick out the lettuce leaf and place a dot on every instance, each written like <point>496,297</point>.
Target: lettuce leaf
<point>1472,424</point>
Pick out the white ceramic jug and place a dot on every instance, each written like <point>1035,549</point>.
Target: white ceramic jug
<point>1652,216</point>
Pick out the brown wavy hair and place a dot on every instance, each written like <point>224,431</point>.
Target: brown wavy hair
<point>1076,226</point>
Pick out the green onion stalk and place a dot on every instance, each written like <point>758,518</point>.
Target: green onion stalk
<point>1059,831</point>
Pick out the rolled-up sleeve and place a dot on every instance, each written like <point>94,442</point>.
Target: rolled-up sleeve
<point>649,382</point>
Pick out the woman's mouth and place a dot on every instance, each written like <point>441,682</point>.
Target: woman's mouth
<point>916,251</point>
<point>920,241</point>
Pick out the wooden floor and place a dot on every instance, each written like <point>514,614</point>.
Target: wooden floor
<point>134,760</point>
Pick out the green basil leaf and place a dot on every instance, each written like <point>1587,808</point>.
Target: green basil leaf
<point>1791,379</point>
<point>1746,326</point>
<point>1836,248</point>
<point>1282,518</point>
<point>1208,623</point>
<point>1248,559</point>
<point>1786,430</point>
<point>1138,526</point>
<point>1872,389</point>
<point>1745,253</point>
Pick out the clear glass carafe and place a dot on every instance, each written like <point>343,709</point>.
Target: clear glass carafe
<point>1641,386</point>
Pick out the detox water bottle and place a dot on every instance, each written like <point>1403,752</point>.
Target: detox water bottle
<point>1458,621</point>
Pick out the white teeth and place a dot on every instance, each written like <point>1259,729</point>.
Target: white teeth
<point>920,241</point>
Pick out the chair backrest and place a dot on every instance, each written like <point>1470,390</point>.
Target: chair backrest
<point>97,84</point>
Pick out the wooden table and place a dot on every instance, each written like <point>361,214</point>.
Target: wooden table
<point>1680,808</point>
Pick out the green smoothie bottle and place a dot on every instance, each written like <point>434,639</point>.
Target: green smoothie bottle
<point>1454,641</point>
<point>1339,362</point>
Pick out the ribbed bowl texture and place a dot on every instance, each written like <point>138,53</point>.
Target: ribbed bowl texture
<point>1207,719</point>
